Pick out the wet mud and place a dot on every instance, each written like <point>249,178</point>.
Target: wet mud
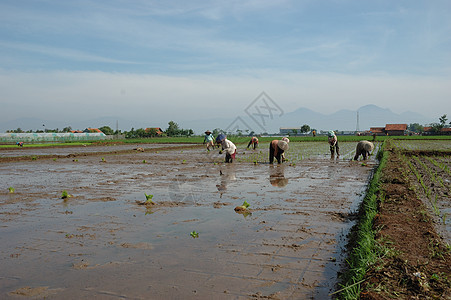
<point>101,243</point>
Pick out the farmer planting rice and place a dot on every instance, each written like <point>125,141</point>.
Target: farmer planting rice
<point>363,148</point>
<point>253,142</point>
<point>228,147</point>
<point>285,139</point>
<point>333,143</point>
<point>209,139</point>
<point>276,149</point>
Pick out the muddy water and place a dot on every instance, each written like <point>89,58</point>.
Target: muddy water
<point>101,243</point>
<point>69,150</point>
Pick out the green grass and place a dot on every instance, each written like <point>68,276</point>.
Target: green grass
<point>366,250</point>
<point>233,138</point>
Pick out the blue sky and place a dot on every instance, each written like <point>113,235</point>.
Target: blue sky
<point>184,60</point>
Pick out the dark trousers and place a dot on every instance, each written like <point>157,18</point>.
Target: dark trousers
<point>252,144</point>
<point>278,156</point>
<point>333,148</point>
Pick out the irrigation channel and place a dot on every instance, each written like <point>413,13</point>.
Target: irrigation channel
<point>101,243</point>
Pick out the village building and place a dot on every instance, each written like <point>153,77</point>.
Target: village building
<point>290,130</point>
<point>158,130</point>
<point>429,131</point>
<point>396,129</point>
<point>92,130</point>
<point>377,130</point>
<point>389,129</point>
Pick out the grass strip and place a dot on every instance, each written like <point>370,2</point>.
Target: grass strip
<point>234,138</point>
<point>364,251</point>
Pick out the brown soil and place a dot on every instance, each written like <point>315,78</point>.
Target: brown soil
<point>419,265</point>
<point>101,244</point>
<point>77,155</point>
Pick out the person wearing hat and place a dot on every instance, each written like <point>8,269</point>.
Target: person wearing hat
<point>363,148</point>
<point>209,139</point>
<point>333,143</point>
<point>253,142</point>
<point>283,154</point>
<point>276,149</point>
<point>228,147</point>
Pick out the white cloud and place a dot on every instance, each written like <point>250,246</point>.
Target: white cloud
<point>94,94</point>
<point>62,53</point>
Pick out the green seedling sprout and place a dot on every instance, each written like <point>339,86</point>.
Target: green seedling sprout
<point>184,161</point>
<point>144,161</point>
<point>103,159</point>
<point>65,195</point>
<point>194,234</point>
<point>242,208</point>
<point>11,189</point>
<point>149,199</point>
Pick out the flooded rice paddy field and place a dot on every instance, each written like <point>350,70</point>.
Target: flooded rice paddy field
<point>423,144</point>
<point>101,243</point>
<point>68,150</point>
<point>429,171</point>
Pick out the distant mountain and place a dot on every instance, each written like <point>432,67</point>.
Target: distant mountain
<point>346,120</point>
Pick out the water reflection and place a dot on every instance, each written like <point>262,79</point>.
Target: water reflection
<point>277,175</point>
<point>227,174</point>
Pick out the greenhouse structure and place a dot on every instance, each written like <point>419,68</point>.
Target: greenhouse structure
<point>50,137</point>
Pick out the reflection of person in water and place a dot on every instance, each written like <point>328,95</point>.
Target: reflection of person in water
<point>277,176</point>
<point>226,177</point>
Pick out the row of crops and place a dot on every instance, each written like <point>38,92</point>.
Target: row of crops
<point>433,175</point>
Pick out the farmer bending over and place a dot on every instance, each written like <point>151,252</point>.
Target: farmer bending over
<point>333,143</point>
<point>228,147</point>
<point>363,148</point>
<point>276,149</point>
<point>253,142</point>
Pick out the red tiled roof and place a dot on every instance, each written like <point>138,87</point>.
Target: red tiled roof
<point>395,127</point>
<point>377,129</point>
<point>93,130</point>
<point>158,130</point>
<point>445,129</point>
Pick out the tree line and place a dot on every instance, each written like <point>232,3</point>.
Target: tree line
<point>175,130</point>
<point>436,128</point>
<point>172,130</point>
